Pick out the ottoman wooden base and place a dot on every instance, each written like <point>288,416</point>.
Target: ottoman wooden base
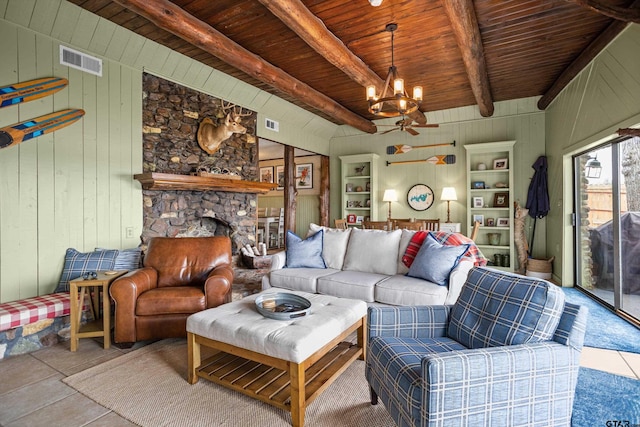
<point>283,384</point>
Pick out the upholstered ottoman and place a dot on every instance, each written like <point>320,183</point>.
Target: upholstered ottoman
<point>279,362</point>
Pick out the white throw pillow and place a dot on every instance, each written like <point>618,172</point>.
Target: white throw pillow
<point>335,244</point>
<point>373,251</point>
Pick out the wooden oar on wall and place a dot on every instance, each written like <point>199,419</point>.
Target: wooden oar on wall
<point>445,159</point>
<point>401,149</point>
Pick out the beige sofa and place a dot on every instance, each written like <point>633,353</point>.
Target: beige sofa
<point>366,265</point>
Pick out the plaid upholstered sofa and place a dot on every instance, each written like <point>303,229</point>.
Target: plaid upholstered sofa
<point>506,354</point>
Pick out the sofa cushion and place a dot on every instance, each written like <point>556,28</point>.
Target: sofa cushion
<point>497,309</point>
<point>373,251</point>
<point>350,284</point>
<point>305,253</point>
<point>434,262</point>
<point>299,279</point>
<point>76,263</point>
<point>334,246</point>
<point>171,300</point>
<point>405,290</point>
<point>127,259</point>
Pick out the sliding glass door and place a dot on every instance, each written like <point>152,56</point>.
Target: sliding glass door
<point>607,214</point>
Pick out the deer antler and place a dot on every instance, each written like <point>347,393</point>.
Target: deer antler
<point>237,114</point>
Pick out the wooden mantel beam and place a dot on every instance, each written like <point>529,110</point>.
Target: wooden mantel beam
<point>464,23</point>
<point>175,20</point>
<point>624,14</point>
<point>312,30</point>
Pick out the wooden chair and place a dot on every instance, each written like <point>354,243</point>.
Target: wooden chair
<point>262,212</point>
<point>409,225</point>
<point>432,224</point>
<point>341,224</point>
<point>376,225</point>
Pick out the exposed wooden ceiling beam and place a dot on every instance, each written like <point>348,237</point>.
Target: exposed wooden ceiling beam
<point>624,14</point>
<point>312,30</point>
<point>175,20</point>
<point>464,23</point>
<point>585,57</point>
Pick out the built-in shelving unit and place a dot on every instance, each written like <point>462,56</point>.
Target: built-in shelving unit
<point>359,187</point>
<point>490,187</point>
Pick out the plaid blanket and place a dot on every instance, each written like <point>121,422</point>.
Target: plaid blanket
<point>444,238</point>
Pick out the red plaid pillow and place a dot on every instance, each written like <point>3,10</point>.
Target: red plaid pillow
<point>445,238</point>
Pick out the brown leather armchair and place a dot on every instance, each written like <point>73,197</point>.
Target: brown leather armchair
<point>181,276</point>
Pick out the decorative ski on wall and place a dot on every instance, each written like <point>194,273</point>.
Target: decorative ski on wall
<point>23,131</point>
<point>444,159</point>
<point>30,90</point>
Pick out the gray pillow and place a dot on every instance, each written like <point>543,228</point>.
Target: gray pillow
<point>373,251</point>
<point>334,244</point>
<point>434,262</point>
<point>304,253</point>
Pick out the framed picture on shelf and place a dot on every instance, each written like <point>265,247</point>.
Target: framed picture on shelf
<point>479,218</point>
<point>501,200</point>
<point>351,204</point>
<point>490,222</point>
<point>304,176</point>
<point>351,219</point>
<point>503,222</point>
<point>349,187</point>
<point>478,202</point>
<point>501,163</point>
<point>266,174</point>
<point>280,176</point>
<point>359,219</point>
<point>477,185</point>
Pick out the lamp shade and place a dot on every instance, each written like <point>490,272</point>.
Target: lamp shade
<point>390,195</point>
<point>448,193</point>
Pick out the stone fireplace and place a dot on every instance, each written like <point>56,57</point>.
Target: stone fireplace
<point>171,115</point>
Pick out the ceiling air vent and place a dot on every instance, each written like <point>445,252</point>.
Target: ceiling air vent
<point>81,61</point>
<point>272,125</point>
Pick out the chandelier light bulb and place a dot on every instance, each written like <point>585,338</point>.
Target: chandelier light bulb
<point>417,93</point>
<point>398,86</point>
<point>371,93</point>
<point>375,3</point>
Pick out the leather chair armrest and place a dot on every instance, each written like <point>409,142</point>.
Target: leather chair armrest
<point>125,291</point>
<point>217,288</point>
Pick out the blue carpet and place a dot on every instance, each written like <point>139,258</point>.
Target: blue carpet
<point>602,397</point>
<point>605,329</point>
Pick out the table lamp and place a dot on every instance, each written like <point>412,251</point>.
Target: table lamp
<point>390,196</point>
<point>448,194</point>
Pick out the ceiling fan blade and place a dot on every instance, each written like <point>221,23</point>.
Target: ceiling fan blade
<point>390,130</point>
<point>412,132</point>
<point>426,126</point>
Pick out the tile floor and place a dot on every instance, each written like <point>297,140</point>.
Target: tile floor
<point>32,392</point>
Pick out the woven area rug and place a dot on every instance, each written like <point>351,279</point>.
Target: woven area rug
<point>604,328</point>
<point>148,387</point>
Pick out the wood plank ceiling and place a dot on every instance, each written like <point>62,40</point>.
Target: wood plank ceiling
<point>525,44</point>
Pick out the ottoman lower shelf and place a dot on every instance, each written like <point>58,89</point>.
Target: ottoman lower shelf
<point>272,385</point>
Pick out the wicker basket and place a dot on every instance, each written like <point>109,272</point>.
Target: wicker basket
<point>540,268</point>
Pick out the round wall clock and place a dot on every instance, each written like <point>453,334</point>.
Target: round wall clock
<point>420,197</point>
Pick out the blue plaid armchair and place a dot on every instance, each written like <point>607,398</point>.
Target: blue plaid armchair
<point>506,354</point>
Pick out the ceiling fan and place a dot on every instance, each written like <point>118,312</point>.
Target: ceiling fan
<point>406,125</point>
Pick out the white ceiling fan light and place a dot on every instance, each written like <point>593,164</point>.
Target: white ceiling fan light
<point>375,3</point>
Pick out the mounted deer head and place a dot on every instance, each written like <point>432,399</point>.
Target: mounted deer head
<point>211,136</point>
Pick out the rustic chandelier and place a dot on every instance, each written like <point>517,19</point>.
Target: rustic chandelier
<point>398,103</point>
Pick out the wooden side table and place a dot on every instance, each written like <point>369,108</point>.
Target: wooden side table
<point>96,328</point>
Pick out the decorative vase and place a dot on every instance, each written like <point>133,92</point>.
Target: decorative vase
<point>494,239</point>
<point>482,167</point>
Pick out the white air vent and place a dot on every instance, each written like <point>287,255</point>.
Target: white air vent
<point>272,125</point>
<point>81,61</point>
